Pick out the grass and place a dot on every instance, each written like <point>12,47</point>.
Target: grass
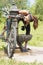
<point>37,39</point>
<point>12,62</point>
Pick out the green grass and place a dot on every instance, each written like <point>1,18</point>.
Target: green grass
<point>37,39</point>
<point>12,62</point>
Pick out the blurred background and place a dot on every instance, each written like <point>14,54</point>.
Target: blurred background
<point>36,8</point>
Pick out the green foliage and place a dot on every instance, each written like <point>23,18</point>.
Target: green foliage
<point>0,14</point>
<point>4,3</point>
<point>39,9</point>
<point>32,9</point>
<point>22,4</point>
<point>2,20</point>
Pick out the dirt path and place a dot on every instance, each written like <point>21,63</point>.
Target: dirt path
<point>35,54</point>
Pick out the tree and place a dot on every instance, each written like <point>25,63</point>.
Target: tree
<point>39,9</point>
<point>32,9</point>
<point>22,4</point>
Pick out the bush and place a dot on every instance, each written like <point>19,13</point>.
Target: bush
<point>40,17</point>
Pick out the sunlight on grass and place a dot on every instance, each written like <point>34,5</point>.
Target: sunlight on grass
<point>14,62</point>
<point>37,39</point>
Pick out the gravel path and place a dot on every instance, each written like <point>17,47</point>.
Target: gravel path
<point>35,54</point>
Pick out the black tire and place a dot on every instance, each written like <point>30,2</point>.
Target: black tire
<point>9,50</point>
<point>12,42</point>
